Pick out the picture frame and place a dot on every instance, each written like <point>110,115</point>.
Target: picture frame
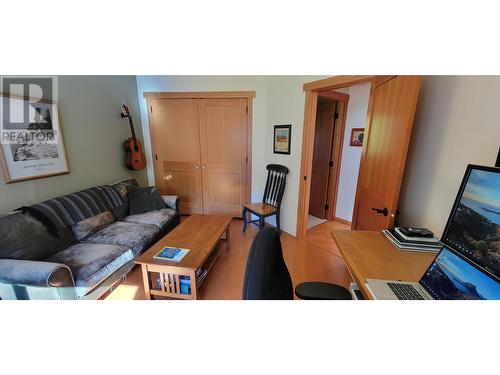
<point>357,137</point>
<point>282,139</point>
<point>34,147</point>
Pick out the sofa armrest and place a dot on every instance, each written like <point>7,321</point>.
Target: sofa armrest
<point>171,201</point>
<point>35,273</point>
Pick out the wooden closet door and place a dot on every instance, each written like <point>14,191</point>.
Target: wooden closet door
<point>223,124</point>
<point>175,138</point>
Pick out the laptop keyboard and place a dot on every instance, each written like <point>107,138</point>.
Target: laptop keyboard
<point>405,291</point>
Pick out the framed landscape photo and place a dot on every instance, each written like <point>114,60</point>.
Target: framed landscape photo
<point>32,144</point>
<point>282,135</point>
<point>357,136</point>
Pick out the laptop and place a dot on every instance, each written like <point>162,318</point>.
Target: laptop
<point>468,266</point>
<point>450,276</point>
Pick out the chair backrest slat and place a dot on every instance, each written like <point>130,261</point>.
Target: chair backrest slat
<point>275,184</point>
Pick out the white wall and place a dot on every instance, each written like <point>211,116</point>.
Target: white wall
<point>357,108</point>
<point>457,123</point>
<point>279,100</point>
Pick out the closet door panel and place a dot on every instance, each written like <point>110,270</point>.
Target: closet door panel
<point>223,124</point>
<point>175,136</point>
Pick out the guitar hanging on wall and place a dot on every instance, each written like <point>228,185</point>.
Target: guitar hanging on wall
<point>134,155</point>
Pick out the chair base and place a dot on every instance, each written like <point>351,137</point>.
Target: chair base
<point>322,291</point>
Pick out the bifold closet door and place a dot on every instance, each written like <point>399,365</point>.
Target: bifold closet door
<point>223,129</point>
<point>175,134</point>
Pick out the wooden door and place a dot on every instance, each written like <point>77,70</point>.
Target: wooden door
<point>223,129</point>
<point>387,136</point>
<point>175,137</point>
<point>323,138</point>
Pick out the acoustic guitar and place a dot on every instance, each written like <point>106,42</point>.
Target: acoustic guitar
<point>134,155</point>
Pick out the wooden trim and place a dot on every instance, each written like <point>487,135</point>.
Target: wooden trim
<point>249,151</point>
<point>311,98</point>
<point>334,95</point>
<point>200,95</point>
<point>336,82</point>
<point>343,221</point>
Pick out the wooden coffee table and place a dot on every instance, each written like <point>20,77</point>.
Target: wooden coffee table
<point>198,233</point>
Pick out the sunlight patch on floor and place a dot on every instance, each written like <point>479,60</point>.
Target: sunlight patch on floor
<point>123,292</point>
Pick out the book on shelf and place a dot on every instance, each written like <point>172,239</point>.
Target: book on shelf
<point>405,245</point>
<point>171,254</point>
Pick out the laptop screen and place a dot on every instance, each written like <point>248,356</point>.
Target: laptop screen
<point>452,277</point>
<point>473,228</point>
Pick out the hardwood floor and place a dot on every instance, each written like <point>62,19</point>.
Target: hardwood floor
<point>316,259</point>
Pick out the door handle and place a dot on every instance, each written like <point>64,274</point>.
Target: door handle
<point>382,211</point>
<point>204,166</point>
<point>197,166</point>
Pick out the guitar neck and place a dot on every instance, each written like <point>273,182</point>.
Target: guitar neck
<point>132,130</point>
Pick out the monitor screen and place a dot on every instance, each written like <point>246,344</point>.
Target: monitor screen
<point>473,228</point>
<point>452,277</point>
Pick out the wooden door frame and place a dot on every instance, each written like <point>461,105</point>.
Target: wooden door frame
<point>312,90</point>
<point>248,95</point>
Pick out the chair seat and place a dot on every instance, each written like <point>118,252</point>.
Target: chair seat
<point>322,291</point>
<point>261,209</point>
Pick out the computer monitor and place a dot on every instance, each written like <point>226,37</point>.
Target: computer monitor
<point>473,227</point>
<point>451,276</point>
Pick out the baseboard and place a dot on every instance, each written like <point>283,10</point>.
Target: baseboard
<point>343,221</point>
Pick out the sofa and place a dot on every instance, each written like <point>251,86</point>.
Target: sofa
<point>78,246</point>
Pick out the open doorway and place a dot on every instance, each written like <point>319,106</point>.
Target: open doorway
<point>340,115</point>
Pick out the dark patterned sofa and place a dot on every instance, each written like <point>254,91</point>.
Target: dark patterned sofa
<point>79,245</point>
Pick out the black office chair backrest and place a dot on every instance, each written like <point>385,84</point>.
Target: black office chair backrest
<point>266,274</point>
<point>275,184</point>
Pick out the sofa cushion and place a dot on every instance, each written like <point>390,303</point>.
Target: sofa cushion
<point>123,188</point>
<point>92,263</point>
<point>133,236</point>
<point>92,225</point>
<point>24,237</point>
<point>159,218</point>
<point>145,200</point>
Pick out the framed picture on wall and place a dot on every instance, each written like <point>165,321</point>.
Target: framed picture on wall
<point>32,144</point>
<point>282,135</point>
<point>357,136</point>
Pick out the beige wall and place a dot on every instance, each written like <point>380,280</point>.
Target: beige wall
<point>357,108</point>
<point>94,132</point>
<point>279,100</point>
<point>457,123</point>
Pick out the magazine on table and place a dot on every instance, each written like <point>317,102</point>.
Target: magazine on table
<point>171,254</point>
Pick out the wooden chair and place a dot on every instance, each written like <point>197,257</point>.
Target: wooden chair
<point>271,201</point>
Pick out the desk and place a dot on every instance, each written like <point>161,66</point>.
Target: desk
<point>369,255</point>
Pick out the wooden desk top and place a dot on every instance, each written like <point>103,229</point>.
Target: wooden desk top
<point>198,233</point>
<point>369,255</point>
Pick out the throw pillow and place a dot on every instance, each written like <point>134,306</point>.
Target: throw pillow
<point>93,224</point>
<point>144,200</point>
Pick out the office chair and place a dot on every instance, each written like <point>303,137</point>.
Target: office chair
<point>271,201</point>
<point>267,277</point>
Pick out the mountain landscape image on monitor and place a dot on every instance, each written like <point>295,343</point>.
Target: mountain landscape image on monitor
<point>475,226</point>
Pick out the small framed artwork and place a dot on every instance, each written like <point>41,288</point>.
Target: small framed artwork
<point>357,135</point>
<point>32,144</point>
<point>282,136</point>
